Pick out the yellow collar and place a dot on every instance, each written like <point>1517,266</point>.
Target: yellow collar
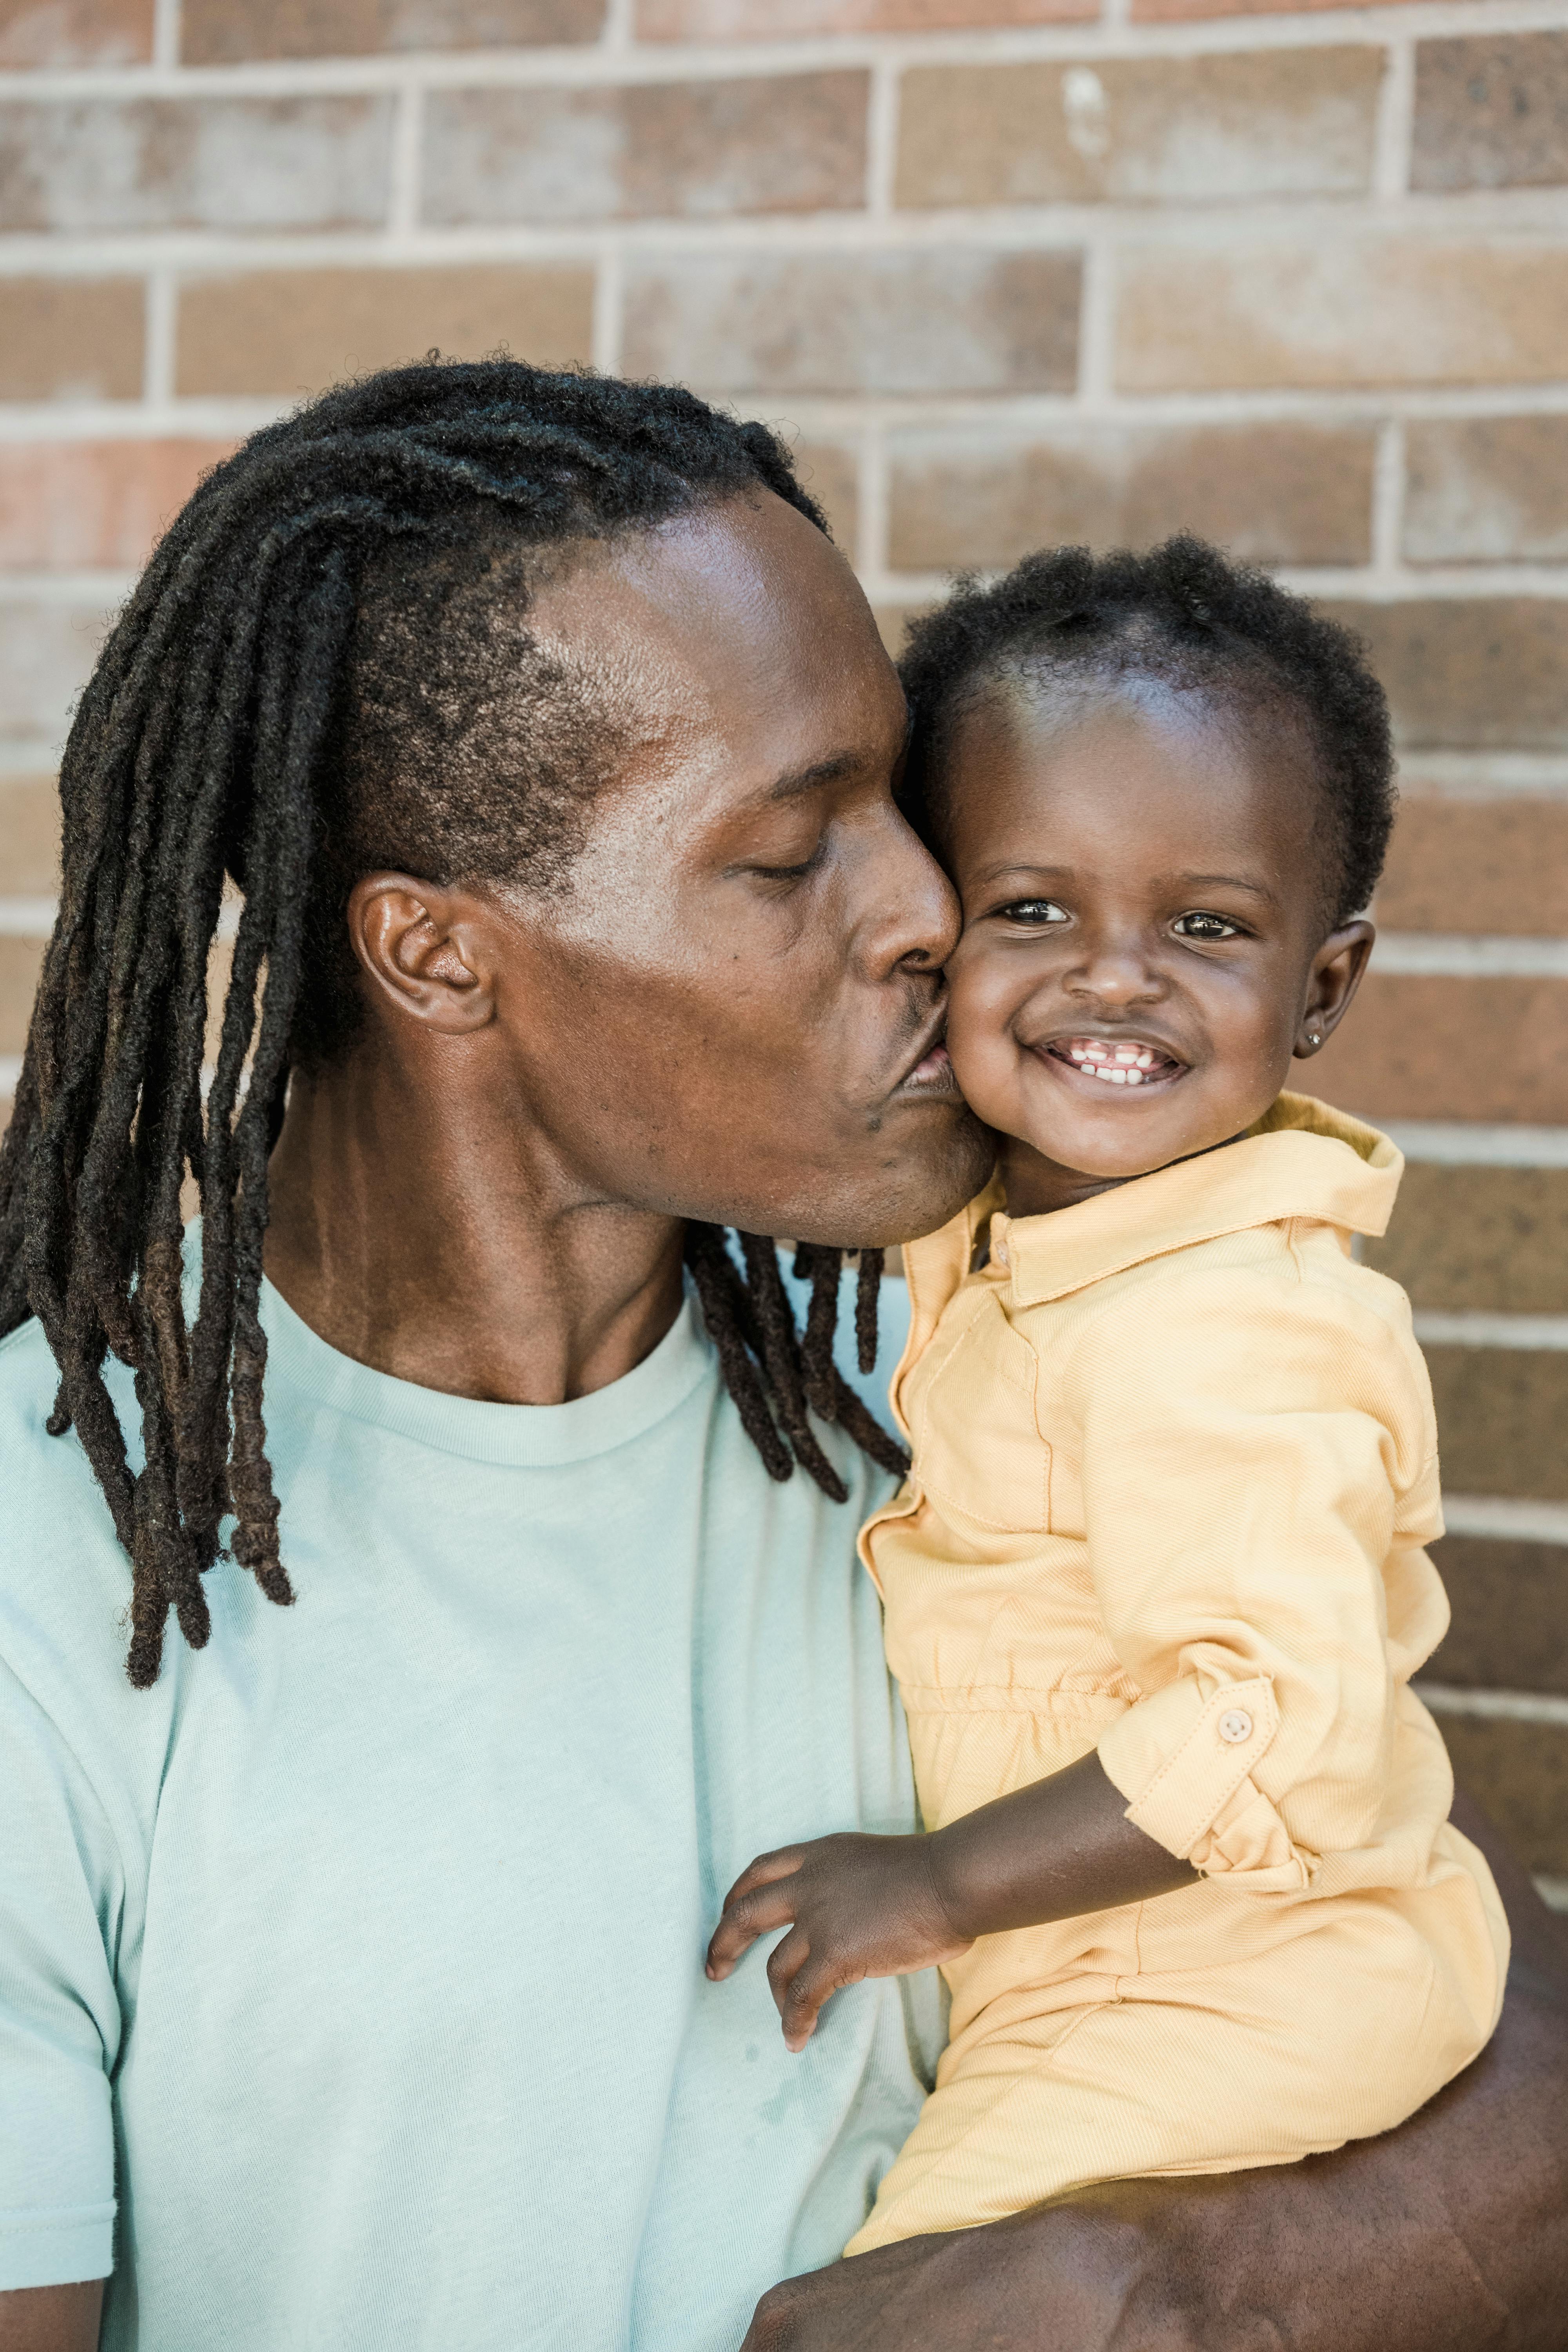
<point>1301,1160</point>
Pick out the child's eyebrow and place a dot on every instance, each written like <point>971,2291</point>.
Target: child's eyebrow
<point>993,874</point>
<point>1225,881</point>
<point>988,873</point>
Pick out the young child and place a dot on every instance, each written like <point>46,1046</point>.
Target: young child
<point>1155,1586</point>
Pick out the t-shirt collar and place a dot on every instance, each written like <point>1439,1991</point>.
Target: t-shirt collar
<point>521,1436</point>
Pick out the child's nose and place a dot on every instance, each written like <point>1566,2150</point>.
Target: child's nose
<point>1115,972</point>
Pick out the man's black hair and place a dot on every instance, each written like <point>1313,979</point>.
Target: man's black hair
<point>324,669</point>
<point>1184,616</point>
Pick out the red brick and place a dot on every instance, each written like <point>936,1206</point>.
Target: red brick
<point>20,961</point>
<point>1485,490</point>
<point>1486,866</point>
<point>45,654</point>
<point>1490,113</point>
<point>78,505</point>
<point>1518,1773</point>
<point>1474,672</point>
<point>1509,1629</point>
<point>29,836</point>
<point>942,319</point>
<point>1448,1049</point>
<point>832,474</point>
<point>75,33</point>
<point>71,338</point>
<point>1325,313</point>
<point>288,331</point>
<point>1267,122</point>
<point>220,971</point>
<point>794,143</point>
<point>226,32</point>
<point>892,624</point>
<point>1296,494</point>
<point>1500,1416</point>
<point>1490,1241</point>
<point>1161,11</point>
<point>777,20</point>
<point>213,162</point>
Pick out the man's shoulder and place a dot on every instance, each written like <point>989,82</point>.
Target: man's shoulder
<point>64,1579</point>
<point>29,1378</point>
<point>31,1459</point>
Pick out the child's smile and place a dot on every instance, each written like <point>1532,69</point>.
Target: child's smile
<point>1143,947</point>
<point>1115,1061</point>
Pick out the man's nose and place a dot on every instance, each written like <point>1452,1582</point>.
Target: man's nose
<point>916,922</point>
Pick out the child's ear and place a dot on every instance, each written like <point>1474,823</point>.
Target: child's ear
<point>1335,976</point>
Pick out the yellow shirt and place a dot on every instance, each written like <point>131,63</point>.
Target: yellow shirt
<point>1174,1465</point>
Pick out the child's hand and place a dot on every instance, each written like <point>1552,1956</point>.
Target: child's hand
<point>862,1907</point>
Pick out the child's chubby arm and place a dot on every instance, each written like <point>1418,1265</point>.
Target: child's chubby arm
<point>1259,1471</point>
<point>874,1906</point>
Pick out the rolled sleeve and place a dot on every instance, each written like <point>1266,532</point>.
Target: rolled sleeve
<point>1185,1768</point>
<point>1245,1449</point>
<point>59,2013</point>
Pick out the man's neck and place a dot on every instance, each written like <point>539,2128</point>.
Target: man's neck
<point>426,1231</point>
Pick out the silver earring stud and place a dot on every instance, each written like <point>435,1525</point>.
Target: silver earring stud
<point>1314,1036</point>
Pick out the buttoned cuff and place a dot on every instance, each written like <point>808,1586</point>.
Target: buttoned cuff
<point>1184,1759</point>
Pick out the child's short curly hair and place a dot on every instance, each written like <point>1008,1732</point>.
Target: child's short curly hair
<point>1184,616</point>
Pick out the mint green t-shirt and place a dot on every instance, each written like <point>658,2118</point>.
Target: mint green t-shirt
<point>351,1979</point>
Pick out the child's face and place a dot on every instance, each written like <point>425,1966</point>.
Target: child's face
<point>1143,949</point>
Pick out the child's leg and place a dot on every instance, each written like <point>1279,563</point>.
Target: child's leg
<point>1195,2075</point>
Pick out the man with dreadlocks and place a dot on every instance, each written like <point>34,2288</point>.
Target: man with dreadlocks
<point>351,1924</point>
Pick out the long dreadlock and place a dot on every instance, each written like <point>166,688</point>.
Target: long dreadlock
<point>231,727</point>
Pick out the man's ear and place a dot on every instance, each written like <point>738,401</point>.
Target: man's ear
<point>425,949</point>
<point>1335,976</point>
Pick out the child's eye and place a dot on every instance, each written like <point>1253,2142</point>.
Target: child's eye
<point>1205,927</point>
<point>1034,911</point>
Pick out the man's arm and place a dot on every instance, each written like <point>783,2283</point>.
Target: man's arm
<point>51,2319</point>
<point>1447,2235</point>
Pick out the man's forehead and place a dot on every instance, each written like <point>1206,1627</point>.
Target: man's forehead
<point>738,621</point>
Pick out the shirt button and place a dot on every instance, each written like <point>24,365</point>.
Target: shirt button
<point>999,1251</point>
<point>1236,1725</point>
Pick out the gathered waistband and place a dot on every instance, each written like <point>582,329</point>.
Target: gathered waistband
<point>1064,1706</point>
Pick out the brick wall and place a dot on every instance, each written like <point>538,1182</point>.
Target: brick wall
<point>1009,270</point>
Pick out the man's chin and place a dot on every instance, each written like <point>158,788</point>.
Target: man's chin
<point>934,1175</point>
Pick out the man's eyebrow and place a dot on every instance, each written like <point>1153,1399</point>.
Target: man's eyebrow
<point>797,780</point>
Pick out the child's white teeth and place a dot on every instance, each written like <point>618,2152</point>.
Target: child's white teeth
<point>1119,1066</point>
